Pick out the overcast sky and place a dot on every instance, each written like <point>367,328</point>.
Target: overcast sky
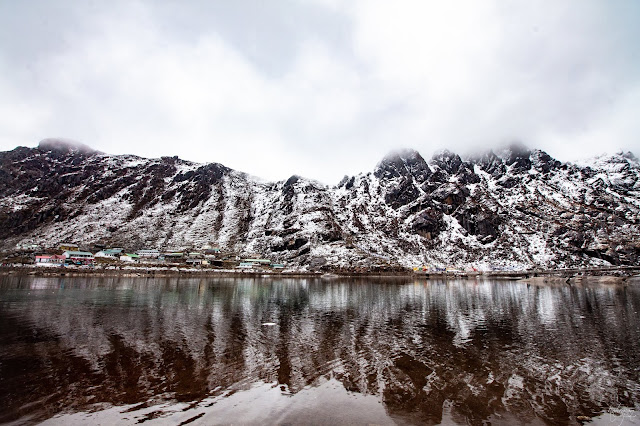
<point>320,88</point>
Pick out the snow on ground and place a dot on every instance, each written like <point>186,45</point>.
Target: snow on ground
<point>354,224</point>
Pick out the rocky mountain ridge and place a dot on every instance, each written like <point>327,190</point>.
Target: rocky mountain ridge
<point>515,208</point>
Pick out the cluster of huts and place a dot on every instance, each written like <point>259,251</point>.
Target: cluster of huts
<point>208,256</point>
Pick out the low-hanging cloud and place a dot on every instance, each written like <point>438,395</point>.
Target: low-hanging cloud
<point>320,88</point>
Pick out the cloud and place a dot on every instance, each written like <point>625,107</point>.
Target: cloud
<point>480,73</point>
<point>126,87</point>
<point>322,88</point>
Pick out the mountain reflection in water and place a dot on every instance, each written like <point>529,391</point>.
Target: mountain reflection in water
<point>416,351</point>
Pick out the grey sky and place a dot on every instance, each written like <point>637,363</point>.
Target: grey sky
<point>320,88</point>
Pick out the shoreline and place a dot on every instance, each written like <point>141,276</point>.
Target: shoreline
<point>183,272</point>
<point>556,275</point>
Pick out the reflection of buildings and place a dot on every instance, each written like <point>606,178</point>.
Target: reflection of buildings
<point>479,349</point>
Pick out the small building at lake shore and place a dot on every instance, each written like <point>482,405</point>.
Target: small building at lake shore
<point>79,257</point>
<point>50,260</point>
<point>151,253</point>
<point>129,257</point>
<point>112,253</point>
<point>262,262</point>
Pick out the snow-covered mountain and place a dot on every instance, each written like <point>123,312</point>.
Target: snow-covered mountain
<point>517,207</point>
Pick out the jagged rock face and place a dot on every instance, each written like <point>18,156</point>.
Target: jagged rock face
<point>543,162</point>
<point>518,156</point>
<point>518,208</point>
<point>447,161</point>
<point>405,164</point>
<point>492,164</point>
<point>405,172</point>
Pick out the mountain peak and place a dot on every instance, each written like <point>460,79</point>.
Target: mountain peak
<point>543,161</point>
<point>448,161</point>
<point>64,145</point>
<point>628,155</point>
<point>403,163</point>
<point>516,148</point>
<point>516,154</point>
<point>403,153</point>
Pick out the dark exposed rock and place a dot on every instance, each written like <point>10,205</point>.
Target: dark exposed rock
<point>447,161</point>
<point>490,163</point>
<point>508,181</point>
<point>428,223</point>
<point>403,164</point>
<point>291,181</point>
<point>331,233</point>
<point>575,238</point>
<point>291,244</point>
<point>466,176</point>
<point>602,254</point>
<point>349,183</point>
<point>451,194</point>
<point>303,252</point>
<point>288,190</point>
<point>200,184</point>
<point>402,193</point>
<point>517,156</point>
<point>543,162</point>
<point>479,221</point>
<point>317,262</point>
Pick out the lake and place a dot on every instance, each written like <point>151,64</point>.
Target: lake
<point>317,351</point>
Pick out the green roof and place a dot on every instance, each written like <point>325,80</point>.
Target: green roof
<point>79,253</point>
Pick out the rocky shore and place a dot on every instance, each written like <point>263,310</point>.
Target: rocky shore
<point>610,274</point>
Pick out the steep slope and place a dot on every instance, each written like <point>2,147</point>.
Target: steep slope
<point>519,208</point>
<point>515,208</point>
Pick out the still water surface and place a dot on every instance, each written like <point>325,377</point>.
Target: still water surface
<point>313,351</point>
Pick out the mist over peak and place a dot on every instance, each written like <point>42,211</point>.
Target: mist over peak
<point>65,145</point>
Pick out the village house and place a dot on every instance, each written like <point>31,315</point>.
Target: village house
<point>68,247</point>
<point>194,261</point>
<point>112,253</point>
<point>254,263</point>
<point>129,257</point>
<point>50,260</point>
<point>152,253</point>
<point>258,262</point>
<point>79,257</point>
<point>28,245</point>
<point>173,255</point>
